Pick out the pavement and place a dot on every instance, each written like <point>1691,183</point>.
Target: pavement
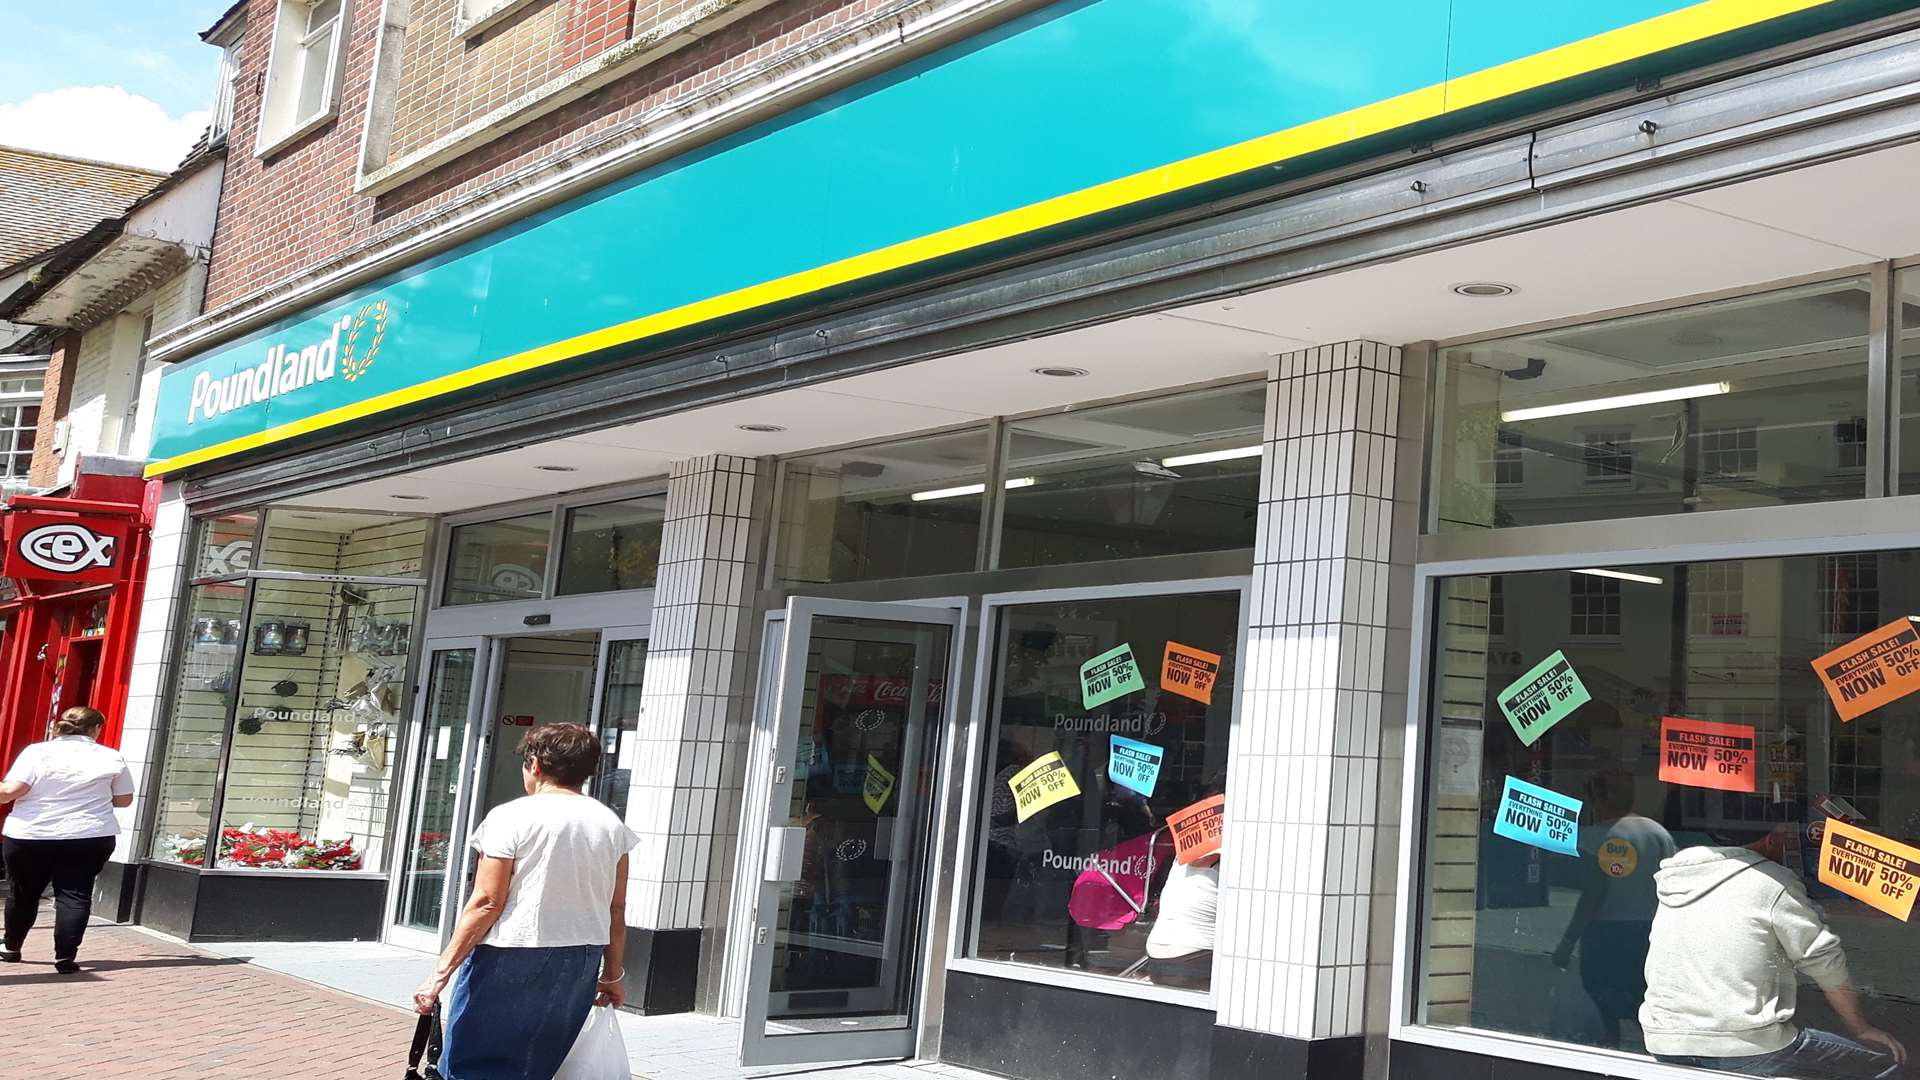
<point>148,1007</point>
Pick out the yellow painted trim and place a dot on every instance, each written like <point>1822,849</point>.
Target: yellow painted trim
<point>1703,20</point>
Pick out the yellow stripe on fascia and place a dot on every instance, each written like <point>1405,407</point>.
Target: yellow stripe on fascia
<point>1683,27</point>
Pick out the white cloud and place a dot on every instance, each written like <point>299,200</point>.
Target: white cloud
<point>106,123</point>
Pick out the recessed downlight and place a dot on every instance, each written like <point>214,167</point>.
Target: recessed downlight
<point>557,468</point>
<point>760,429</point>
<point>408,498</point>
<point>1060,372</point>
<point>1484,290</point>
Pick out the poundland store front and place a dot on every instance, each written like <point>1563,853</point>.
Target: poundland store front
<point>1257,637</point>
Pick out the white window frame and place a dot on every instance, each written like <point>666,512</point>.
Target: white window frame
<point>472,18</point>
<point>287,75</point>
<point>19,400</point>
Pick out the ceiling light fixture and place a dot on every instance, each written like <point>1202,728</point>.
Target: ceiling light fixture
<point>1623,576</point>
<point>557,468</point>
<point>1060,372</point>
<point>1622,401</point>
<point>1484,290</point>
<point>1210,456</point>
<point>969,489</point>
<point>760,429</point>
<point>408,498</point>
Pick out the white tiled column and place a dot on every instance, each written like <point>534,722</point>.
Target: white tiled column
<point>1304,877</point>
<point>146,679</point>
<point>694,712</point>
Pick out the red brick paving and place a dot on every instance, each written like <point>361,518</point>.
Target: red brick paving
<point>147,1009</point>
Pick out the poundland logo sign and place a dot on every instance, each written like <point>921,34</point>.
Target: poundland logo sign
<point>349,350</point>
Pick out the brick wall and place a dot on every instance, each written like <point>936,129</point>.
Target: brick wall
<point>58,391</point>
<point>291,211</point>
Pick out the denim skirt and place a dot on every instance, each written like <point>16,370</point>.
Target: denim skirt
<point>514,1013</point>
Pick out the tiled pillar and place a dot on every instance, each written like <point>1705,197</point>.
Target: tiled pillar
<point>140,743</point>
<point>1307,877</point>
<point>694,718</point>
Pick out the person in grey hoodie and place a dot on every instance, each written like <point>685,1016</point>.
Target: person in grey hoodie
<point>1732,935</point>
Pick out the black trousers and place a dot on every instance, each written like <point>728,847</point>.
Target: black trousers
<point>70,867</point>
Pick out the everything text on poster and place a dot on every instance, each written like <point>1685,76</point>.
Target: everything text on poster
<point>1872,670</point>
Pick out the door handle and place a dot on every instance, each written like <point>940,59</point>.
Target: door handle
<point>786,850</point>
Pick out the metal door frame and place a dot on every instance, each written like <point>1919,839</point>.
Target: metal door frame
<point>756,1046</point>
<point>414,774</point>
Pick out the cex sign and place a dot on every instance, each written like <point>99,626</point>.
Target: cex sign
<point>63,548</point>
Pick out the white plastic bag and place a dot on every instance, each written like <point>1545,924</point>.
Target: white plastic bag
<point>599,1053</point>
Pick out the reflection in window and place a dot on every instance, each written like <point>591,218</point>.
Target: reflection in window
<point>1737,403</point>
<point>321,685</point>
<point>1506,466</point>
<point>1148,478</point>
<point>498,560</point>
<point>621,683</point>
<point>1575,939</point>
<point>1092,882</point>
<point>203,693</point>
<point>345,542</point>
<point>1593,606</point>
<point>901,509</point>
<point>612,546</point>
<point>224,545</point>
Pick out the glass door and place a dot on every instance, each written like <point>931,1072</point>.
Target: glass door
<point>441,747</point>
<point>616,713</point>
<point>837,943</point>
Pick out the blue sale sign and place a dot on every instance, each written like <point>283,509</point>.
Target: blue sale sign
<point>1537,816</point>
<point>1133,764</point>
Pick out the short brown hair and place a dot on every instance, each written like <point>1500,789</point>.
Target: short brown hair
<point>80,720</point>
<point>567,753</point>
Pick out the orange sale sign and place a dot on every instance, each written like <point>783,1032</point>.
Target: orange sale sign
<point>1878,872</point>
<point>1705,754</point>
<point>1873,669</point>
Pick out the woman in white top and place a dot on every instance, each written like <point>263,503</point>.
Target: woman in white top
<point>61,831</point>
<point>541,940</point>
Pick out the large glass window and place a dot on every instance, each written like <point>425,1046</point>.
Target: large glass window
<point>342,542</point>
<point>1757,401</point>
<point>1166,476</point>
<point>499,560</point>
<point>203,694</point>
<point>612,545</point>
<point>904,509</point>
<point>319,695</point>
<point>1724,718</point>
<point>1906,397</point>
<point>223,546</point>
<point>1109,718</point>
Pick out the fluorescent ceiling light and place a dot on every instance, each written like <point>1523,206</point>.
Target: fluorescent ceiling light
<point>968,489</point>
<point>1623,401</point>
<point>1210,455</point>
<point>1623,576</point>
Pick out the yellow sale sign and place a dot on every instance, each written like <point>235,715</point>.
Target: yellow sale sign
<point>1874,870</point>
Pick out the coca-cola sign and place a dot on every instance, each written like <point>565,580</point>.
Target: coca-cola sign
<point>869,691</point>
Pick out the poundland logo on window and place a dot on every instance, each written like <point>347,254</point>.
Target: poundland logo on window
<point>285,369</point>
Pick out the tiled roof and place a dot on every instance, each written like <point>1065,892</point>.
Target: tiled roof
<point>47,200</point>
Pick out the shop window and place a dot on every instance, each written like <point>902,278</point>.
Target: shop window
<point>318,706</point>
<point>223,546</point>
<point>621,681</point>
<point>342,542</point>
<point>203,694</point>
<point>903,509</point>
<point>1168,476</point>
<point>1593,606</point>
<point>499,560</point>
<point>612,545</point>
<point>1101,735</point>
<point>1712,406</point>
<point>1564,773</point>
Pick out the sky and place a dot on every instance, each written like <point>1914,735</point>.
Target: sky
<point>126,81</point>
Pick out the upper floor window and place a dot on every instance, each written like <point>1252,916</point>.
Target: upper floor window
<point>226,36</point>
<point>1752,401</point>
<point>303,73</point>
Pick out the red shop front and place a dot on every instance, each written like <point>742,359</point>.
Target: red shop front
<point>74,568</point>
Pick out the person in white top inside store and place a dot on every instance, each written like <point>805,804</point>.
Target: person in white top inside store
<point>1180,945</point>
<point>61,831</point>
<point>542,939</point>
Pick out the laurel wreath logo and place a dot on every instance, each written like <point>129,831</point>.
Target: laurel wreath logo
<point>353,362</point>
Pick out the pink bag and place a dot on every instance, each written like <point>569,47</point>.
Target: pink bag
<point>1112,891</point>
